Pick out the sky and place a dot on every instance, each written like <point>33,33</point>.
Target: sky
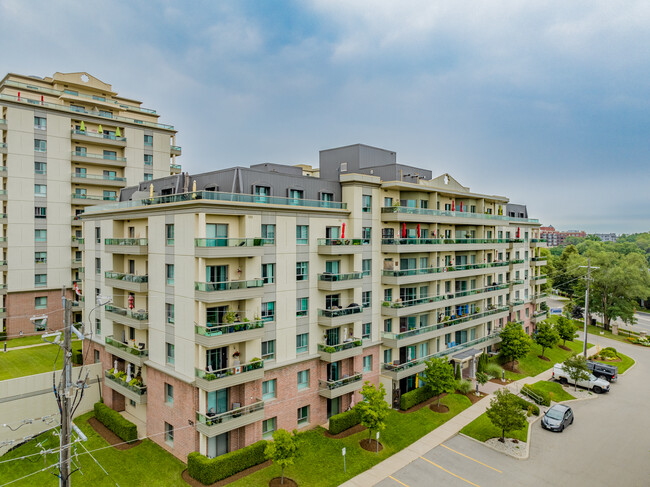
<point>545,102</point>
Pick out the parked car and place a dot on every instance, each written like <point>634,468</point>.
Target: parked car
<point>557,417</point>
<point>604,371</point>
<point>594,383</point>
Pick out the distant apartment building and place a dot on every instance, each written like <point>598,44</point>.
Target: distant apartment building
<point>555,238</point>
<point>246,300</point>
<point>606,237</point>
<point>66,142</point>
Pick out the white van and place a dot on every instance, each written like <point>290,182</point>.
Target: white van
<point>594,383</point>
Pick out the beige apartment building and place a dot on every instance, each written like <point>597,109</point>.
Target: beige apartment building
<point>246,300</point>
<point>66,142</point>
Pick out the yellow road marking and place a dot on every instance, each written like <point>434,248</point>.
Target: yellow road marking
<point>398,481</point>
<point>450,473</point>
<point>470,458</point>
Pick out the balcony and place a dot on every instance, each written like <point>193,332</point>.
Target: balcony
<point>175,150</point>
<point>90,199</point>
<point>76,263</point>
<point>3,265</point>
<point>541,279</point>
<point>3,218</point>
<point>224,334</point>
<point>517,264</point>
<point>338,317</point>
<point>216,424</point>
<point>331,389</point>
<point>516,283</point>
<point>341,246</point>
<point>3,148</point>
<point>539,260</point>
<point>128,282</point>
<point>412,276</point>
<point>175,168</point>
<point>86,137</point>
<point>3,313</point>
<point>132,392</point>
<point>397,371</point>
<point>538,242</point>
<point>101,159</point>
<point>417,335</point>
<point>231,376</point>
<point>410,245</point>
<point>127,352</point>
<point>3,172</point>
<point>3,242</point>
<point>3,124</point>
<point>540,316</point>
<point>540,297</point>
<point>228,247</point>
<point>78,243</point>
<point>99,180</point>
<point>3,289</point>
<point>217,292</point>
<point>130,246</point>
<point>3,195</point>
<point>407,214</point>
<point>338,282</point>
<point>334,353</point>
<point>135,319</point>
<point>78,305</point>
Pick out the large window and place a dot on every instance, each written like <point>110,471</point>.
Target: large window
<point>302,271</point>
<point>268,350</point>
<point>366,203</point>
<point>40,257</point>
<point>148,160</point>
<point>169,394</point>
<point>148,140</point>
<point>40,145</point>
<point>40,123</point>
<point>268,233</point>
<point>269,389</point>
<point>303,379</point>
<point>268,311</point>
<point>40,212</point>
<point>170,353</point>
<point>40,302</point>
<point>302,307</point>
<point>40,190</point>
<point>366,299</point>
<point>40,168</point>
<point>366,330</point>
<point>268,273</point>
<point>169,434</point>
<point>367,363</point>
<point>268,427</point>
<point>169,233</point>
<point>148,176</point>
<point>169,274</point>
<point>296,195</point>
<point>40,280</point>
<point>40,235</point>
<point>302,234</point>
<point>169,311</point>
<point>303,415</point>
<point>302,343</point>
<point>366,266</point>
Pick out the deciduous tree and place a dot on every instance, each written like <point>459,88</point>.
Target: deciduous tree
<point>505,412</point>
<point>439,376</point>
<point>515,343</point>
<point>373,410</point>
<point>282,450</point>
<point>546,336</point>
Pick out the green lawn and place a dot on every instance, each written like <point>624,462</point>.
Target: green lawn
<point>321,463</point>
<point>482,430</point>
<point>144,465</point>
<point>625,363</point>
<point>532,365</point>
<point>29,361</point>
<point>23,341</point>
<point>558,394</point>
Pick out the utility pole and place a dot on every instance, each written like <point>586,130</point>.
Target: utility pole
<point>64,394</point>
<point>588,266</point>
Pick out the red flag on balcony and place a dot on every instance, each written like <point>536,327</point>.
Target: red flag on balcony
<point>76,289</point>
<point>403,230</point>
<point>418,230</point>
<point>453,205</point>
<point>343,231</point>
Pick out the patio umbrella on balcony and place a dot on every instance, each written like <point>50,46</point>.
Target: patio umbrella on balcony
<point>500,210</point>
<point>128,372</point>
<point>453,205</point>
<point>82,127</point>
<point>461,206</point>
<point>403,230</point>
<point>100,130</point>
<point>42,99</point>
<point>418,230</point>
<point>343,231</point>
<point>151,191</point>
<point>517,232</point>
<point>117,132</point>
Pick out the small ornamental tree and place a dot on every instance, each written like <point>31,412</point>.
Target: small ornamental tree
<point>282,450</point>
<point>565,329</point>
<point>546,336</point>
<point>439,376</point>
<point>373,410</point>
<point>505,412</point>
<point>482,378</point>
<point>576,368</point>
<point>515,343</point>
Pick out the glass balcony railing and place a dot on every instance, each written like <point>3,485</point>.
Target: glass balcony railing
<point>3,215</point>
<point>4,239</point>
<point>536,278</point>
<point>176,148</point>
<point>120,276</point>
<point>539,296</point>
<point>176,167</point>
<point>3,192</point>
<point>3,121</point>
<point>343,241</point>
<point>516,302</point>
<point>126,241</point>
<point>137,352</point>
<point>136,315</point>
<point>79,240</point>
<point>3,262</point>
<point>446,241</point>
<point>436,270</point>
<point>517,261</point>
<point>539,314</point>
<point>210,419</point>
<point>98,136</point>
<point>106,157</point>
<point>335,313</point>
<point>515,282</point>
<point>92,197</point>
<point>229,242</point>
<point>542,240</point>
<point>217,329</point>
<point>98,177</point>
<point>139,390</point>
<point>335,384</point>
<point>227,285</point>
<point>538,259</point>
<point>442,297</point>
<point>353,343</point>
<point>459,214</point>
<point>350,276</point>
<point>236,369</point>
<point>3,145</point>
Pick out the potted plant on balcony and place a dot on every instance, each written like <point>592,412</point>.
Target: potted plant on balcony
<point>236,355</point>
<point>256,363</point>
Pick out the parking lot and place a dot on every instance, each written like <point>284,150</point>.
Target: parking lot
<point>608,444</point>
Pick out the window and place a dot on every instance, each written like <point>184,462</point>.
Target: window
<point>148,160</point>
<point>268,427</point>
<point>169,394</point>
<point>170,353</point>
<point>268,233</point>
<point>40,190</point>
<point>365,331</point>
<point>148,176</point>
<point>98,235</point>
<point>268,311</point>
<point>366,266</point>
<point>268,273</point>
<point>388,356</point>
<point>40,212</point>
<point>303,415</point>
<point>148,140</point>
<point>40,145</point>
<point>302,343</point>
<point>40,324</point>
<point>366,232</point>
<point>169,434</point>
<point>169,311</point>
<point>40,235</point>
<point>367,363</point>
<point>302,234</point>
<point>169,274</point>
<point>366,299</point>
<point>327,198</point>
<point>109,195</point>
<point>98,265</point>
<point>40,302</point>
<point>40,280</point>
<point>296,195</point>
<point>40,257</point>
<point>40,123</point>
<point>303,379</point>
<point>169,233</point>
<point>98,326</point>
<point>388,325</point>
<point>388,294</point>
<point>268,389</point>
<point>103,113</point>
<point>96,355</point>
<point>302,307</point>
<point>40,168</point>
<point>302,270</point>
<point>268,350</point>
<point>366,203</point>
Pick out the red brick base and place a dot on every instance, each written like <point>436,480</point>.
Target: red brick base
<point>20,308</point>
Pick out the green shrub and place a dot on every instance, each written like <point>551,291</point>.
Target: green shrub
<point>494,371</point>
<point>530,407</point>
<point>210,470</point>
<point>77,357</point>
<point>546,396</point>
<point>115,422</point>
<point>341,422</point>
<point>609,352</point>
<point>415,397</point>
<point>3,336</point>
<point>464,386</point>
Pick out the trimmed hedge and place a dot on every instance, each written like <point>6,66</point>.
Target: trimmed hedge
<point>415,397</point>
<point>546,397</point>
<point>77,357</point>
<point>210,470</point>
<point>3,336</point>
<point>341,422</point>
<point>525,405</point>
<point>115,422</point>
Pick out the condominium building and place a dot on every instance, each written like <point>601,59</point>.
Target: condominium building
<point>66,142</point>
<point>250,299</point>
<point>556,238</point>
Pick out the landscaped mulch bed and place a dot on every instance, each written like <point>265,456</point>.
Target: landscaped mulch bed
<point>277,482</point>
<point>439,409</point>
<point>544,358</point>
<point>564,347</point>
<point>500,382</point>
<point>344,434</point>
<point>474,398</point>
<point>111,437</point>
<point>417,407</point>
<point>195,483</point>
<point>370,444</point>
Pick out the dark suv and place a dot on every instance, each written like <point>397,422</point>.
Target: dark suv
<point>606,371</point>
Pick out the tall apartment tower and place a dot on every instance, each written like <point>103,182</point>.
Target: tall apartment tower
<point>251,299</point>
<point>66,142</point>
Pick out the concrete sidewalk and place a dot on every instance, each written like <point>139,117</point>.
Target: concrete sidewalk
<point>439,435</point>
